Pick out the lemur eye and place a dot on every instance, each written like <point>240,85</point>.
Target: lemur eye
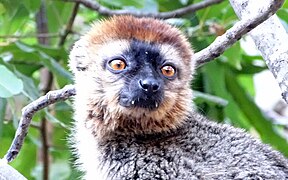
<point>168,71</point>
<point>117,64</point>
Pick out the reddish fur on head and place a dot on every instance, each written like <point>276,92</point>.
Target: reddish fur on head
<point>143,29</point>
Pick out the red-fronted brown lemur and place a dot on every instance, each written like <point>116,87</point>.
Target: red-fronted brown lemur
<point>134,116</point>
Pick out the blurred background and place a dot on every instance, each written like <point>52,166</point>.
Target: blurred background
<point>35,40</point>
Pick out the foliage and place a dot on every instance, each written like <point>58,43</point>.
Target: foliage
<point>224,88</point>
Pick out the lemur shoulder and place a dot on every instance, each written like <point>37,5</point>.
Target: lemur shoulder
<point>134,116</point>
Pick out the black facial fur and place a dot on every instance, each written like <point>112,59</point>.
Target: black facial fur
<point>143,78</point>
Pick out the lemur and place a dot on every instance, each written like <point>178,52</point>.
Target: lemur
<point>134,116</point>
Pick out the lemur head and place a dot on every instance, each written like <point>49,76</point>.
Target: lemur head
<point>133,75</point>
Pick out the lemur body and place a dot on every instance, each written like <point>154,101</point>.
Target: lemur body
<point>134,116</point>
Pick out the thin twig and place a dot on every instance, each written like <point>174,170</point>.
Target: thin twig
<point>94,5</point>
<point>45,148</point>
<point>69,25</point>
<point>235,33</point>
<point>45,84</point>
<point>29,111</point>
<point>40,35</point>
<point>41,23</point>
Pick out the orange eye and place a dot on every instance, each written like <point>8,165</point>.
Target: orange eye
<point>168,71</point>
<point>117,64</point>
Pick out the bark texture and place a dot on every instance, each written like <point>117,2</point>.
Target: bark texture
<point>271,39</point>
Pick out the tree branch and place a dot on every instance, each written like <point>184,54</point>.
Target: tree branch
<point>29,111</point>
<point>271,40</point>
<point>7,172</point>
<point>38,35</point>
<point>94,5</point>
<point>235,33</point>
<point>46,82</point>
<point>69,25</point>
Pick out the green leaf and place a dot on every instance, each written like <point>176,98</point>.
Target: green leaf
<point>60,170</point>
<point>24,48</point>
<point>214,79</point>
<point>220,12</point>
<point>58,14</point>
<point>210,98</point>
<point>247,82</point>
<point>283,13</point>
<point>169,5</point>
<point>2,9</point>
<point>184,2</point>
<point>12,106</point>
<point>233,56</point>
<point>19,52</point>
<point>18,20</point>
<point>32,6</point>
<point>56,53</point>
<point>10,85</point>
<point>29,54</point>
<point>3,105</point>
<point>27,69</point>
<point>54,120</point>
<point>150,6</point>
<point>47,60</point>
<point>251,64</point>
<point>263,125</point>
<point>124,3</point>
<point>29,88</point>
<point>55,67</point>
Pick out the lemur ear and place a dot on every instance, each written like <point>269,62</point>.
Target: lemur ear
<point>78,57</point>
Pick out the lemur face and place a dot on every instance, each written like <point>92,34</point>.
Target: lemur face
<point>133,70</point>
<point>146,72</point>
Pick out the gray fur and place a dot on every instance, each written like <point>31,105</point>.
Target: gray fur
<point>200,149</point>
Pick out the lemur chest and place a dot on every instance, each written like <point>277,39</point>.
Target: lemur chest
<point>132,160</point>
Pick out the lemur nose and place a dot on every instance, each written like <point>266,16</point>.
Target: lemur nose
<point>149,85</point>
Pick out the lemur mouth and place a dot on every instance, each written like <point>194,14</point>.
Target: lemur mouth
<point>147,103</point>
